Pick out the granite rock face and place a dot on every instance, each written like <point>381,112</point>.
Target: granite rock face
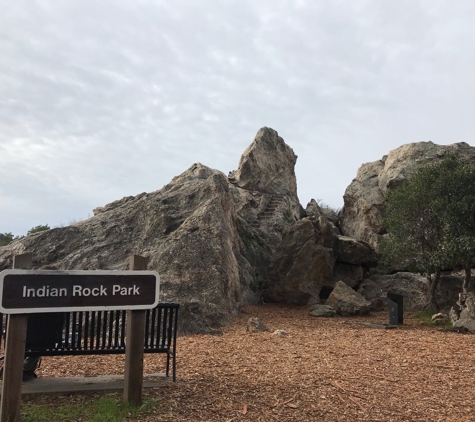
<point>264,190</point>
<point>364,208</point>
<point>267,165</point>
<point>187,230</point>
<point>299,266</point>
<point>210,237</point>
<point>218,243</point>
<point>353,252</point>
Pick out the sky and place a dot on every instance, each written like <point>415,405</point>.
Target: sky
<point>101,100</point>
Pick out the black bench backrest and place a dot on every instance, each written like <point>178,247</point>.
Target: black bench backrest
<point>98,332</point>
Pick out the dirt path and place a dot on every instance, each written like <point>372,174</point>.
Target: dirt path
<point>322,370</point>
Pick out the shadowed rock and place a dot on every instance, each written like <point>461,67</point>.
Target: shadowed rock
<point>300,265</point>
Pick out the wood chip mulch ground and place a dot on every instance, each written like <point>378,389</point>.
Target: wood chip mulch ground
<point>323,369</point>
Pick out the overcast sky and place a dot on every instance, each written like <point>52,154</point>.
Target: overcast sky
<point>105,99</point>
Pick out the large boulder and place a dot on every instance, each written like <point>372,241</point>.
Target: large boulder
<point>364,207</point>
<point>314,209</point>
<point>324,220</point>
<point>218,242</point>
<point>351,251</point>
<point>187,230</point>
<point>347,302</point>
<point>299,266</point>
<point>411,286</point>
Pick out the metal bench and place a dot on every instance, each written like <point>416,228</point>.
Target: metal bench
<point>103,332</point>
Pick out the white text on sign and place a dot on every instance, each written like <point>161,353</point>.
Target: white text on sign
<point>77,290</point>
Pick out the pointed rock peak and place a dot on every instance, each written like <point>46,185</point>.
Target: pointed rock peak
<point>267,165</point>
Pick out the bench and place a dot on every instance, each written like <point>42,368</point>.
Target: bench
<point>102,332</point>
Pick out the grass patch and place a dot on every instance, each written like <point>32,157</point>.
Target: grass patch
<point>426,317</point>
<point>105,409</point>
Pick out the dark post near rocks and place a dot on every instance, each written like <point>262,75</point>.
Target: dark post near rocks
<point>396,309</point>
<point>14,355</point>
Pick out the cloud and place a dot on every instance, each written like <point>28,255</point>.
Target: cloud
<point>99,100</point>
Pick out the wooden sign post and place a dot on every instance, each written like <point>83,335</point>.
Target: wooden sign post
<point>23,292</point>
<point>14,355</point>
<point>135,335</point>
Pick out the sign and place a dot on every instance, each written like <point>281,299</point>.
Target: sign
<point>34,291</point>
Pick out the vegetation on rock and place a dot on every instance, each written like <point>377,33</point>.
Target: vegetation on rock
<point>6,238</point>
<point>431,222</point>
<point>37,229</point>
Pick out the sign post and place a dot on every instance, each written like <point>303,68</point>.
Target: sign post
<point>37,291</point>
<point>135,335</point>
<point>14,355</point>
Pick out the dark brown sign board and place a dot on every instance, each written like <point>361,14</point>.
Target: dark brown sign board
<point>35,291</point>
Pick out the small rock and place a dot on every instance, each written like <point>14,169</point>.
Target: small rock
<point>347,302</point>
<point>322,311</point>
<point>280,333</point>
<point>440,317</point>
<point>254,325</point>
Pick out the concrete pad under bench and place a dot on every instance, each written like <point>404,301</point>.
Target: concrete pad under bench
<point>59,385</point>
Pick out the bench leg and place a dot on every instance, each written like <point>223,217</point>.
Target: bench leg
<point>168,363</point>
<point>174,366</point>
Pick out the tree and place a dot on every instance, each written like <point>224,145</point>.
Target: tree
<point>457,209</point>
<point>38,229</point>
<point>431,222</point>
<point>6,238</point>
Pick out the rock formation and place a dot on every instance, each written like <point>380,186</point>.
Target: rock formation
<point>364,208</point>
<point>187,230</point>
<point>220,242</point>
<point>211,237</point>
